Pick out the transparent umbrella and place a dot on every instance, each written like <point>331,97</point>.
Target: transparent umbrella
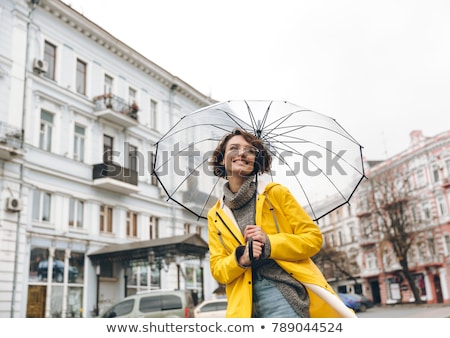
<point>312,154</point>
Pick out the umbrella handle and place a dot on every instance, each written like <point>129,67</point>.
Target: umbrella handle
<point>250,249</point>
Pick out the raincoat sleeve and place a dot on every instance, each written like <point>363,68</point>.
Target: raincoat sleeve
<point>222,249</point>
<point>298,237</point>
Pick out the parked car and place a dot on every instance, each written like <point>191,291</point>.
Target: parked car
<point>353,303</point>
<point>214,308</point>
<point>58,271</point>
<point>366,303</point>
<point>154,304</point>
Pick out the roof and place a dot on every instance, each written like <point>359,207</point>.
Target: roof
<point>185,245</point>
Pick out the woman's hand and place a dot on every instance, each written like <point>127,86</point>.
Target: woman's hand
<point>258,237</point>
<point>257,249</point>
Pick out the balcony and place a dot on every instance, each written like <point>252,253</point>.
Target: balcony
<point>446,183</point>
<point>115,109</point>
<point>427,261</point>
<point>112,177</point>
<point>11,142</point>
<point>369,239</point>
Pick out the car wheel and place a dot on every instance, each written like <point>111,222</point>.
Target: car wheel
<point>363,308</point>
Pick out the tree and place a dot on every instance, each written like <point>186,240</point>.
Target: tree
<point>391,202</point>
<point>336,264</point>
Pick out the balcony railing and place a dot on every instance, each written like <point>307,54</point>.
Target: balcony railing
<point>116,110</point>
<point>431,260</point>
<point>446,182</point>
<point>11,141</point>
<point>113,177</point>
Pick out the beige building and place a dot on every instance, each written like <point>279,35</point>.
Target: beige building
<point>418,179</point>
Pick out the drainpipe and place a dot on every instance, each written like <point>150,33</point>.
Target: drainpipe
<point>173,89</point>
<point>34,3</point>
<point>97,297</point>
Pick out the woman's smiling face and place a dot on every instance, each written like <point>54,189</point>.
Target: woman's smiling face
<point>239,157</point>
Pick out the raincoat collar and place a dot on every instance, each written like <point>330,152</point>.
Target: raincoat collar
<point>262,182</point>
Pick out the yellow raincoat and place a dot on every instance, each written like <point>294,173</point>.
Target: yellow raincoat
<point>294,238</point>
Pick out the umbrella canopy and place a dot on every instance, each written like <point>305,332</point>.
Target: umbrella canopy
<point>312,154</point>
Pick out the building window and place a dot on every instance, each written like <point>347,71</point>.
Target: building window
<point>199,230</point>
<point>420,179</point>
<point>367,229</point>
<point>108,85</point>
<point>447,165</point>
<point>371,261</point>
<point>107,149</point>
<point>153,227</point>
<point>187,228</point>
<point>53,292</point>
<point>131,224</point>
<point>420,283</point>
<point>153,114</point>
<point>151,163</point>
<point>50,57</point>
<point>41,206</point>
<point>132,157</point>
<point>106,269</point>
<point>81,77</point>
<point>414,214</point>
<point>132,96</point>
<point>442,208</point>
<point>426,212</point>
<point>106,219</point>
<point>431,246</point>
<point>341,238</point>
<point>435,173</point>
<point>78,143</point>
<point>76,212</point>
<point>331,240</point>
<point>447,244</point>
<point>45,136</point>
<point>351,228</point>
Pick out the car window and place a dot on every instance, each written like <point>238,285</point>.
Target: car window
<point>208,307</point>
<point>214,307</point>
<point>221,305</point>
<point>171,302</point>
<point>121,309</point>
<point>150,304</point>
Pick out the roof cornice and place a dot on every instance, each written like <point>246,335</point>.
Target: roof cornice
<point>82,24</point>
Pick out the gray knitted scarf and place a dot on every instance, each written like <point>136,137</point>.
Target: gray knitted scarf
<point>242,203</point>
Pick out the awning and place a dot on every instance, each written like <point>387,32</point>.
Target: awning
<point>188,246</point>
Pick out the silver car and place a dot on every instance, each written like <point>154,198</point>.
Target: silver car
<point>154,304</point>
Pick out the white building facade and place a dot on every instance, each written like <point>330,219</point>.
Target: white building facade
<point>80,114</point>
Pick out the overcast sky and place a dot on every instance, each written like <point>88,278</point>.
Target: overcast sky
<point>381,68</point>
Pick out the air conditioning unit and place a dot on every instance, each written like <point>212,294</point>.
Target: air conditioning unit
<point>13,204</point>
<point>40,66</point>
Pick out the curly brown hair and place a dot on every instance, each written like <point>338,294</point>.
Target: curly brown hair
<point>263,159</point>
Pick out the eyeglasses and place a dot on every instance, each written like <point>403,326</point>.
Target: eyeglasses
<point>248,151</point>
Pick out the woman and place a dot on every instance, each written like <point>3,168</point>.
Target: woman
<point>261,240</point>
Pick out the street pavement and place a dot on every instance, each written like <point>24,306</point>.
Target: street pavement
<point>407,311</point>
